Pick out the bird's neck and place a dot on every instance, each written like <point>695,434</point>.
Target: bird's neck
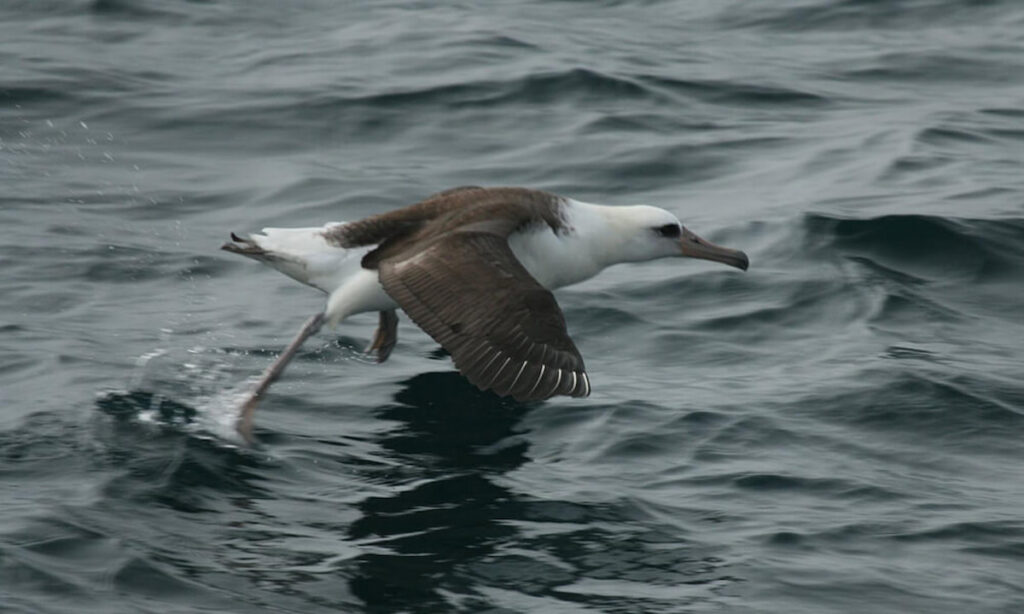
<point>590,241</point>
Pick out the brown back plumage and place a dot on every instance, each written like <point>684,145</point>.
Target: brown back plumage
<point>398,223</point>
<point>409,227</point>
<point>446,261</point>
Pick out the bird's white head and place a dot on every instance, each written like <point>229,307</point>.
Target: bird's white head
<point>640,232</point>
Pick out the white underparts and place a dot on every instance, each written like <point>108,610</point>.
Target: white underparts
<point>360,293</point>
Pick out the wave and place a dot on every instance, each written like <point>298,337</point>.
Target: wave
<point>572,85</point>
<point>923,246</point>
<point>372,111</point>
<point>136,9</point>
<point>734,92</point>
<point>926,406</point>
<point>908,288</point>
<point>862,14</point>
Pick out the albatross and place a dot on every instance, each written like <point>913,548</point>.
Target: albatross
<point>474,268</point>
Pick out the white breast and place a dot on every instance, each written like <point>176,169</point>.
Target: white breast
<point>557,260</point>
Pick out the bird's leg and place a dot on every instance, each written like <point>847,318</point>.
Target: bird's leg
<point>274,371</point>
<point>385,337</point>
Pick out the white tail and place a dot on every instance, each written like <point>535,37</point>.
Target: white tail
<point>302,254</point>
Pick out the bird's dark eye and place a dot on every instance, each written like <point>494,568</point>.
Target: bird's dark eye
<point>669,230</point>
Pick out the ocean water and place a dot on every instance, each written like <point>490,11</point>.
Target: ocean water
<point>840,429</point>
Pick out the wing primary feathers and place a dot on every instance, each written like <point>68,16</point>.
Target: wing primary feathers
<point>537,383</point>
<point>458,279</point>
<point>513,384</point>
<point>497,354</point>
<point>554,388</point>
<point>497,373</point>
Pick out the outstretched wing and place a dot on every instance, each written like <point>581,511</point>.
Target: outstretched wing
<point>504,330</point>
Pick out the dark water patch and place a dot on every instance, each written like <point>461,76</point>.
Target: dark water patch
<point>421,548</point>
<point>743,436</point>
<point>980,533</point>
<point>14,364</point>
<point>653,164</point>
<point>35,8</point>
<point>62,564</point>
<point>35,579</point>
<point>151,580</point>
<point>442,510</point>
<point>143,9</point>
<point>140,9</point>
<point>71,561</point>
<point>714,284</point>
<point>449,423</point>
<point>420,522</point>
<point>865,15</point>
<point>903,352</point>
<point>1003,548</point>
<point>933,248</point>
<point>633,444</point>
<point>632,122</point>
<point>505,40</point>
<point>832,488</point>
<point>1000,193</point>
<point>131,266</point>
<point>573,84</point>
<point>120,264</point>
<point>639,446</point>
<point>920,170</point>
<point>798,308</point>
<point>1009,134</point>
<point>128,406</point>
<point>786,539</point>
<point>43,442</point>
<point>29,94</point>
<point>934,69</point>
<point>1008,112</point>
<point>380,112</point>
<point>875,272</point>
<point>643,562</point>
<point>177,470</point>
<point>949,136</point>
<point>600,313</point>
<point>734,93</point>
<point>928,410</point>
<point>900,306</point>
<point>447,533</point>
<point>60,89</point>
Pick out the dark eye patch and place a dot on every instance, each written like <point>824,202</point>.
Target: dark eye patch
<point>669,230</point>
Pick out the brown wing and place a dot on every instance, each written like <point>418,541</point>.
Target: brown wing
<point>505,332</point>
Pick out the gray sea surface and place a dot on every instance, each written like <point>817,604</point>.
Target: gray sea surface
<point>840,429</point>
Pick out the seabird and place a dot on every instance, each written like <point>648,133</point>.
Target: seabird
<point>474,268</point>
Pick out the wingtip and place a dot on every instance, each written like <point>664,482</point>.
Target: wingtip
<point>583,389</point>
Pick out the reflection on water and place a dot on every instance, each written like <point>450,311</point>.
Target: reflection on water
<point>454,513</point>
